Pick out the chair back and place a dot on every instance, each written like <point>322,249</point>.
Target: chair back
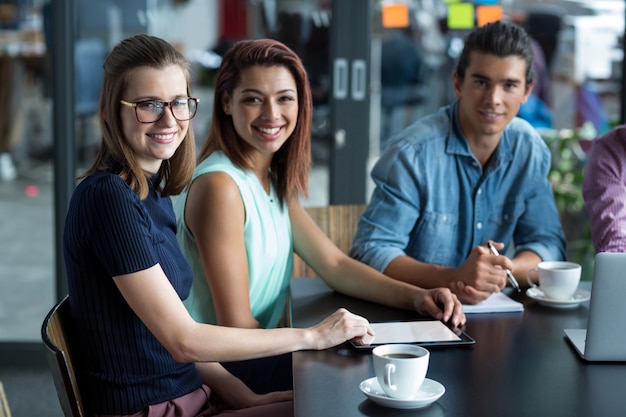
<point>56,339</point>
<point>339,222</point>
<point>4,405</point>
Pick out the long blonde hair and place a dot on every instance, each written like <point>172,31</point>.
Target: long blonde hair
<point>114,152</point>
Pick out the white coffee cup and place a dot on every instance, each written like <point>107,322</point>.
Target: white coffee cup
<point>400,369</point>
<point>558,280</point>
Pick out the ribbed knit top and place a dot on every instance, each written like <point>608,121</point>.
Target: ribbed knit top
<point>109,231</point>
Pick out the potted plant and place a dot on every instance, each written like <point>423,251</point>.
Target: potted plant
<point>566,176</point>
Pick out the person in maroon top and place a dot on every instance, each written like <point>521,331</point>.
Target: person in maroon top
<point>604,190</point>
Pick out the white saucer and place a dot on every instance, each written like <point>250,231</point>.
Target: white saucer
<point>580,296</point>
<point>429,392</point>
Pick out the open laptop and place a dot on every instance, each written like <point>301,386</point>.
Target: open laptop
<point>604,339</point>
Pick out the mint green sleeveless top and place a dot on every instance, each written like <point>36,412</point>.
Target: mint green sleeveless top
<point>268,241</point>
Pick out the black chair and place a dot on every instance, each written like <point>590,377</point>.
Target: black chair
<point>56,339</point>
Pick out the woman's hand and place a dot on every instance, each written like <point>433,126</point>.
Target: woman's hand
<point>338,328</point>
<point>270,397</point>
<point>231,392</point>
<point>441,304</point>
<point>247,398</point>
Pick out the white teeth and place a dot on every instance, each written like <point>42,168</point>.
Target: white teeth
<point>271,131</point>
<point>162,137</point>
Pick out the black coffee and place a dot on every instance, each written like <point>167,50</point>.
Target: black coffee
<point>401,355</point>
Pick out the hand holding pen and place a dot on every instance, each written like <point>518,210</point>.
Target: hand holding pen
<point>509,274</point>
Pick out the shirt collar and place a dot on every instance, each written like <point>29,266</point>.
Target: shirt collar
<point>457,144</point>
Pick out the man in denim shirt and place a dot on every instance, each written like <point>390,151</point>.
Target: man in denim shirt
<point>468,174</point>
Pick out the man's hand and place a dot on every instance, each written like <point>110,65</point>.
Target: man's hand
<point>481,275</point>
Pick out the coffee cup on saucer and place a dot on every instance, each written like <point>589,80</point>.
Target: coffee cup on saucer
<point>400,369</point>
<point>558,280</point>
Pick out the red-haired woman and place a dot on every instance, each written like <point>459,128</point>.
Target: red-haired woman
<point>241,219</point>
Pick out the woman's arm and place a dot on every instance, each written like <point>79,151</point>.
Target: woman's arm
<point>232,391</point>
<point>158,306</point>
<point>356,279</point>
<point>215,215</point>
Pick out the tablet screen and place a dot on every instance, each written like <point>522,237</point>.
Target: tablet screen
<point>424,332</point>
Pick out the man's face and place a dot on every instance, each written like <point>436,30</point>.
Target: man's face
<point>490,95</point>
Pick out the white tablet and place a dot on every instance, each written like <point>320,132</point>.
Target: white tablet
<point>422,332</point>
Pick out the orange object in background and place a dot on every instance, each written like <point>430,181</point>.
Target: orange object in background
<point>395,15</point>
<point>488,14</point>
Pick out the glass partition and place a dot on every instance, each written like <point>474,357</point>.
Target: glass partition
<point>409,76</point>
<point>29,154</point>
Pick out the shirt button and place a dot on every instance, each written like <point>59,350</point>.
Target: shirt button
<point>480,191</point>
<point>479,225</point>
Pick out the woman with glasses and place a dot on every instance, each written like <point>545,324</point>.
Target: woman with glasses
<point>139,353</point>
<point>241,219</point>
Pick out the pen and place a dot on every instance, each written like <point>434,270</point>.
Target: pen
<point>509,275</point>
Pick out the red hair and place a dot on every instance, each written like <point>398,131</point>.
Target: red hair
<point>292,162</point>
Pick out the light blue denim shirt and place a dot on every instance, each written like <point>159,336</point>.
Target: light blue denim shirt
<point>433,201</point>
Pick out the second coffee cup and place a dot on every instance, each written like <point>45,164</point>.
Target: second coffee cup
<point>558,280</point>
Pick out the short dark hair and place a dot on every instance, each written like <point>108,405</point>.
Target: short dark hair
<point>501,39</point>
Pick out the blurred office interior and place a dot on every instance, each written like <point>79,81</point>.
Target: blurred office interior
<point>375,66</point>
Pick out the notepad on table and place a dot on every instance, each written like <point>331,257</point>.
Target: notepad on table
<point>497,302</point>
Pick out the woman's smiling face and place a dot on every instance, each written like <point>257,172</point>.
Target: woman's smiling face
<point>264,107</point>
<point>155,142</point>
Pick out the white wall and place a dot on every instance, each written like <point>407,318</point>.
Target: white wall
<point>194,24</point>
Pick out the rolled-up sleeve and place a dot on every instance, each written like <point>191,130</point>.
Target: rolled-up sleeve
<point>539,228</point>
<point>385,226</point>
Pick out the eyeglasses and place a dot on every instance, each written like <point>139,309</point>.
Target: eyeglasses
<point>151,111</point>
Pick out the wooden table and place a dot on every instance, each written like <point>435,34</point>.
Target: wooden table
<point>521,365</point>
